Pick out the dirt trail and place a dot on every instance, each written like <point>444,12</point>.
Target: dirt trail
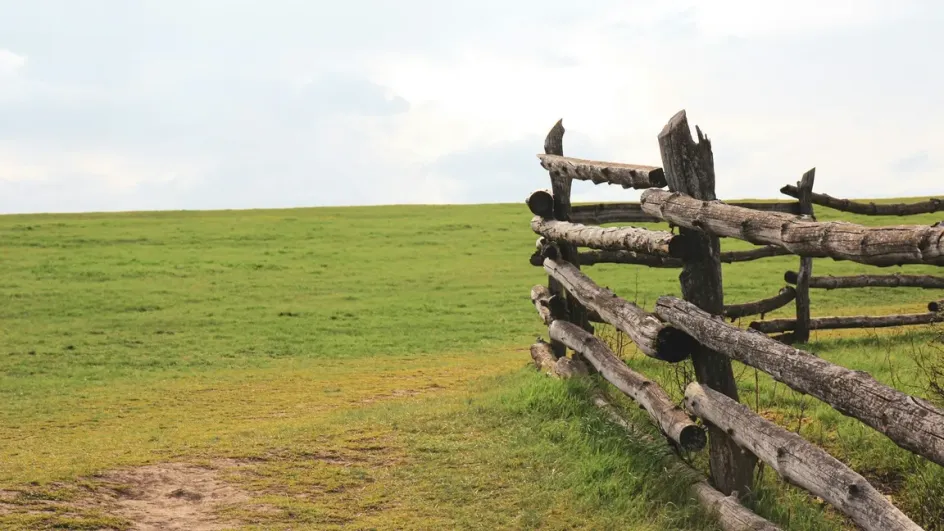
<point>173,496</point>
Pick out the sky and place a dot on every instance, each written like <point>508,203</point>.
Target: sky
<point>113,105</point>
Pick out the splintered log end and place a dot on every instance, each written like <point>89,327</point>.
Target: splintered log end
<point>554,142</point>
<point>936,306</point>
<point>807,180</point>
<point>541,203</point>
<point>679,121</point>
<point>791,277</point>
<point>674,345</point>
<point>693,438</point>
<point>543,356</point>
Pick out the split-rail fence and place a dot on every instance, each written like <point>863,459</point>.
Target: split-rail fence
<point>682,192</point>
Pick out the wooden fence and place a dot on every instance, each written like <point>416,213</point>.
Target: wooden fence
<point>694,326</point>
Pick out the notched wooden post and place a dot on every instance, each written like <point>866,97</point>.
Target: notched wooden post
<point>560,191</point>
<point>802,332</point>
<point>689,169</point>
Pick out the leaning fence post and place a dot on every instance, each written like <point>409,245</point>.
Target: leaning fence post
<point>560,188</point>
<point>802,332</point>
<point>689,169</point>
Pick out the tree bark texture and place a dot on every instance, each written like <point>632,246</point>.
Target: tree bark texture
<point>734,311</point>
<point>879,246</point>
<point>802,332</point>
<point>651,335</point>
<point>541,203</point>
<point>896,280</point>
<point>912,423</point>
<point>601,213</point>
<point>871,209</point>
<point>611,213</point>
<point>852,321</point>
<point>560,191</point>
<point>546,362</point>
<point>799,462</point>
<point>670,418</point>
<point>689,169</point>
<point>662,243</point>
<point>548,305</point>
<point>597,172</point>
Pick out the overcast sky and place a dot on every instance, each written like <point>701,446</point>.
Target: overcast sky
<point>207,104</point>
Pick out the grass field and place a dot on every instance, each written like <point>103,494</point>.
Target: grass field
<point>367,368</point>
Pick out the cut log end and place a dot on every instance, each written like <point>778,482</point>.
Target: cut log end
<point>657,178</point>
<point>541,203</point>
<point>693,438</point>
<point>791,277</point>
<point>679,247</point>
<point>936,306</point>
<point>674,345</point>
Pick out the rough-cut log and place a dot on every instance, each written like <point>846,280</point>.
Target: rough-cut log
<point>936,306</point>
<point>766,251</point>
<point>560,191</point>
<point>611,213</point>
<point>667,415</point>
<point>635,258</point>
<point>548,305</point>
<point>852,321</point>
<point>879,246</point>
<point>730,513</point>
<point>602,213</point>
<point>541,203</point>
<point>625,175</point>
<point>896,280</point>
<point>546,362</point>
<point>689,169</point>
<point>802,332</point>
<point>651,335</point>
<point>611,238</point>
<point>871,209</point>
<point>912,423</point>
<point>734,311</point>
<point>798,461</point>
<point>628,257</point>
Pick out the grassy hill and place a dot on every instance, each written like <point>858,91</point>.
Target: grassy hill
<point>366,368</point>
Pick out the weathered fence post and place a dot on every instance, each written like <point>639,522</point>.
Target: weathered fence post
<point>689,169</point>
<point>802,332</point>
<point>560,188</point>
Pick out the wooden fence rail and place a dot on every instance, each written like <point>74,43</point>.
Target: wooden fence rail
<point>694,326</point>
<point>870,209</point>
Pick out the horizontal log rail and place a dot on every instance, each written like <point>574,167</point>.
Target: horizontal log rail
<point>653,337</point>
<point>798,461</point>
<point>636,258</point>
<point>879,246</point>
<point>610,213</point>
<point>761,307</point>
<point>870,208</point>
<point>600,213</point>
<point>546,362</point>
<point>853,321</point>
<point>896,280</point>
<point>912,423</point>
<point>667,415</point>
<point>612,238</point>
<point>936,306</point>
<point>597,172</point>
<point>589,258</point>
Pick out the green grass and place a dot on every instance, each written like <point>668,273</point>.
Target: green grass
<point>392,339</point>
